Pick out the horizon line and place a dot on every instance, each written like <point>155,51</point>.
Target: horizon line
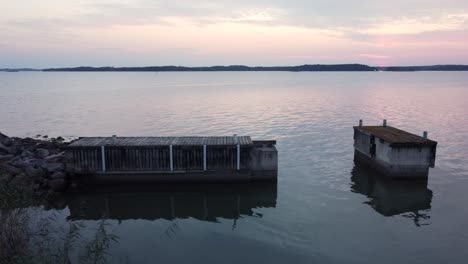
<point>240,67</point>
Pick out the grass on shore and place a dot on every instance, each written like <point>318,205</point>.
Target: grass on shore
<point>26,236</point>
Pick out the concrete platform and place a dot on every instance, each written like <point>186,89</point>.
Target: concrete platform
<point>396,153</point>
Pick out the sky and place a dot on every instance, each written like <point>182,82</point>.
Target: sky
<point>58,33</point>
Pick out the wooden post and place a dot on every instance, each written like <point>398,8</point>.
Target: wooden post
<point>171,160</point>
<point>238,157</point>
<point>103,157</point>
<point>204,157</point>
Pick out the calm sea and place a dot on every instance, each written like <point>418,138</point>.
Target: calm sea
<point>323,209</point>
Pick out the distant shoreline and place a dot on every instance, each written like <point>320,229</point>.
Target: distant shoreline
<point>242,68</point>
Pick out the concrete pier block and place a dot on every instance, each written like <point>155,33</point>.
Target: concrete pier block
<point>395,152</point>
<point>264,161</point>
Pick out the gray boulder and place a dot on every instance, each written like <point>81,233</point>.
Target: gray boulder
<point>53,167</point>
<point>9,169</point>
<point>2,136</point>
<point>55,158</point>
<point>42,153</point>
<point>34,173</point>
<point>5,149</point>
<point>5,140</point>
<point>16,149</point>
<point>35,162</point>
<point>15,158</point>
<point>27,154</point>
<point>58,175</point>
<point>6,157</point>
<point>19,163</point>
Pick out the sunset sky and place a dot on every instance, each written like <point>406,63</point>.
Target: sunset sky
<point>57,33</point>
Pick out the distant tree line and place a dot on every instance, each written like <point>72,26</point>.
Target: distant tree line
<point>301,68</point>
<point>427,68</point>
<point>338,67</point>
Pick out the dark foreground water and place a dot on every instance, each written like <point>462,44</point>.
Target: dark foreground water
<point>323,209</point>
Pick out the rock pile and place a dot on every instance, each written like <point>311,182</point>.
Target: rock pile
<point>37,161</point>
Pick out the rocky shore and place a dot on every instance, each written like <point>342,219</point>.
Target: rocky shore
<point>38,163</point>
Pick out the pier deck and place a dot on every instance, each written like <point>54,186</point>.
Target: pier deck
<point>161,141</point>
<point>395,136</point>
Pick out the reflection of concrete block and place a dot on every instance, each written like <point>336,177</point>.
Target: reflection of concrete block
<point>390,197</point>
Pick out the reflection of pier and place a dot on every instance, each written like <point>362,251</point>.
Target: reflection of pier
<point>203,202</point>
<point>391,197</point>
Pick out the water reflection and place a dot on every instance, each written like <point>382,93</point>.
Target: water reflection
<point>408,198</point>
<point>202,202</point>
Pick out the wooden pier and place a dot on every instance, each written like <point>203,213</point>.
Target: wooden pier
<point>173,159</point>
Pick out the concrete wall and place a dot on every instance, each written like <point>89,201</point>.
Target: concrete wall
<point>383,151</point>
<point>264,158</point>
<point>394,171</point>
<point>264,163</point>
<point>362,142</point>
<point>227,176</point>
<point>416,156</point>
<point>403,156</point>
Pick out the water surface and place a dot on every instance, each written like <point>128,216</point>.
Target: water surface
<point>323,208</point>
